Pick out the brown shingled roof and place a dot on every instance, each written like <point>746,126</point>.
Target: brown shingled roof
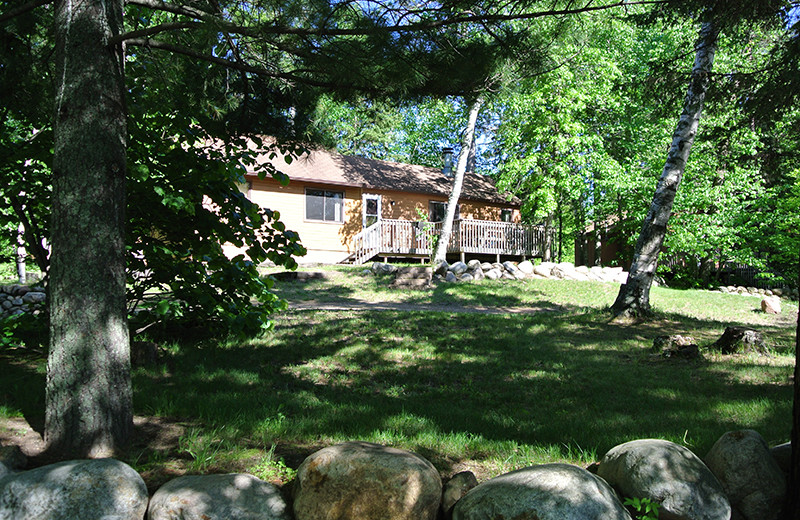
<point>328,167</point>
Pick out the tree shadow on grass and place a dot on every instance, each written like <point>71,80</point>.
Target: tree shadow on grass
<point>452,386</point>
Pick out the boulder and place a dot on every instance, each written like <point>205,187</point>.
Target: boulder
<point>76,489</point>
<point>473,264</point>
<point>365,481</point>
<point>11,460</point>
<point>441,268</point>
<point>493,274</point>
<point>478,274</point>
<point>454,489</point>
<point>544,492</point>
<point>544,269</point>
<point>753,481</point>
<point>450,277</point>
<point>526,266</point>
<point>676,346</point>
<point>486,266</point>
<point>381,268</point>
<point>229,497</point>
<point>771,305</point>
<point>739,340</point>
<point>669,474</point>
<point>466,277</point>
<point>458,268</point>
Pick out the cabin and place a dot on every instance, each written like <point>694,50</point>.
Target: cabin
<point>352,210</point>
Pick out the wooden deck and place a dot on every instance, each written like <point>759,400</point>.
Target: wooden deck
<point>405,238</point>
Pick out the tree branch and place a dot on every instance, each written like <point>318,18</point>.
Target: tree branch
<point>30,6</point>
<point>235,65</point>
<point>150,31</point>
<point>398,28</point>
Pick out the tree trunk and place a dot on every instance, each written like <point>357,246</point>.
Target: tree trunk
<point>634,297</point>
<point>467,142</point>
<point>792,511</point>
<point>21,254</point>
<point>547,251</point>
<point>89,406</point>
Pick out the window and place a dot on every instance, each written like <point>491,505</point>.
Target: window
<point>372,209</point>
<point>438,210</point>
<point>324,205</point>
<point>505,215</point>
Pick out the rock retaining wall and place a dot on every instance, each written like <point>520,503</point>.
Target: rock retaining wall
<point>19,299</point>
<point>364,481</point>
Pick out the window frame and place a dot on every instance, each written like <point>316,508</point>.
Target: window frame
<point>431,205</point>
<point>328,197</point>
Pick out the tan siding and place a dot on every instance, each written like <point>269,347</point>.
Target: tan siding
<point>329,242</point>
<point>320,238</point>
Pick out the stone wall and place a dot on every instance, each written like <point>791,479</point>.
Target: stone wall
<point>19,299</point>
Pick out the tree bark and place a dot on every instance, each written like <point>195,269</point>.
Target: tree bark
<point>467,142</point>
<point>634,296</point>
<point>21,254</point>
<point>792,510</point>
<point>89,398</point>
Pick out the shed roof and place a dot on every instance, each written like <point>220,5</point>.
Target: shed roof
<point>326,167</point>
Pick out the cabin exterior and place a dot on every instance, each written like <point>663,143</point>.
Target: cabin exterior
<point>352,209</point>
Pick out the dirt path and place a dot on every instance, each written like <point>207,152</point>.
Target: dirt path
<point>363,305</point>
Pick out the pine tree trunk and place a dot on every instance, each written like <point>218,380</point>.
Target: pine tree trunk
<point>467,142</point>
<point>89,406</point>
<point>792,511</point>
<point>634,296</point>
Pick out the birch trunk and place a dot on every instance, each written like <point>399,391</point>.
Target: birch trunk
<point>634,296</point>
<point>89,400</point>
<point>467,142</point>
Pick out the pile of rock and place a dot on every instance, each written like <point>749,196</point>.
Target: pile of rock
<point>740,478</point>
<point>19,299</point>
<point>476,270</point>
<point>780,292</point>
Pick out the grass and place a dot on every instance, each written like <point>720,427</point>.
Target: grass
<point>490,393</point>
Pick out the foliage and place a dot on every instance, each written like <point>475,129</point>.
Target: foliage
<point>644,508</point>
<point>22,330</point>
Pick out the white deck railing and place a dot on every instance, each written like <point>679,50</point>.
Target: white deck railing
<point>404,237</point>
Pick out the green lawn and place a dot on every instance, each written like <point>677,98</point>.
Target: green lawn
<point>484,392</point>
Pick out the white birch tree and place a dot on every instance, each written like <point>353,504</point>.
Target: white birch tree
<point>467,142</point>
<point>634,296</point>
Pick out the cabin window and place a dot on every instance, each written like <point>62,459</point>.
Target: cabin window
<point>325,205</point>
<point>438,211</point>
<point>505,215</point>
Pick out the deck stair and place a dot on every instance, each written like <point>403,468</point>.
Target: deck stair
<point>413,277</point>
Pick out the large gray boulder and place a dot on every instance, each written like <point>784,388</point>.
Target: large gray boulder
<point>365,481</point>
<point>458,268</point>
<point>544,492</point>
<point>104,489</point>
<point>11,460</point>
<point>669,474</point>
<point>224,497</point>
<point>493,273</point>
<point>455,489</point>
<point>753,481</point>
<point>526,266</point>
<point>544,269</point>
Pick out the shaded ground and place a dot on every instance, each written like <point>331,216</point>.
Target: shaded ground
<point>159,455</point>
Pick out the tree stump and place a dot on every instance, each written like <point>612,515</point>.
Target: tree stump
<point>739,340</point>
